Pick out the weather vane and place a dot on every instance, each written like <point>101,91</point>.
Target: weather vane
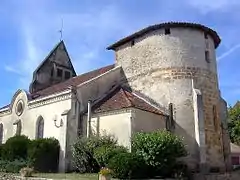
<point>61,31</point>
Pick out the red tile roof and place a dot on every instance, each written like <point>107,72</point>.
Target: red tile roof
<point>120,99</point>
<point>73,81</point>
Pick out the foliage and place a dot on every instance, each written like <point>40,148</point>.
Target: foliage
<point>44,154</point>
<point>83,152</point>
<point>12,166</point>
<point>15,148</point>
<point>105,171</point>
<point>160,150</point>
<point>26,172</point>
<point>234,124</point>
<point>126,166</point>
<point>104,153</point>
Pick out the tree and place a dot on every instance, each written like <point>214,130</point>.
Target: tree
<point>234,123</point>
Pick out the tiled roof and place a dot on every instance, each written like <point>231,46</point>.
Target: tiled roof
<point>73,81</point>
<point>121,98</point>
<point>148,29</point>
<point>70,82</point>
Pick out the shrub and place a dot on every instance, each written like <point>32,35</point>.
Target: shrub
<point>1,150</point>
<point>12,166</point>
<point>15,148</point>
<point>159,149</point>
<point>44,154</point>
<point>126,166</point>
<point>104,153</point>
<point>83,152</point>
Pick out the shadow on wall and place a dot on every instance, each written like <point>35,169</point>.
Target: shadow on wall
<point>193,158</point>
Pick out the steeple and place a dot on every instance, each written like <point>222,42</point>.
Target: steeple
<point>55,68</point>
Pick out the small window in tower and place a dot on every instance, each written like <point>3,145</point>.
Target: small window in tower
<point>206,35</point>
<point>59,72</point>
<point>67,74</point>
<point>167,31</point>
<point>207,56</point>
<point>132,43</point>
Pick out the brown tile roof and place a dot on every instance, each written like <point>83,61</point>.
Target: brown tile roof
<point>121,98</point>
<point>148,29</point>
<point>73,81</point>
<point>70,82</point>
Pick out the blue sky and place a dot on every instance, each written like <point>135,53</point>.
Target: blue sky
<point>29,30</point>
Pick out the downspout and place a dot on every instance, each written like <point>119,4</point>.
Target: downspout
<point>89,118</point>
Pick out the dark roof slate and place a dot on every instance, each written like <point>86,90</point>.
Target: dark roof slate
<point>148,29</point>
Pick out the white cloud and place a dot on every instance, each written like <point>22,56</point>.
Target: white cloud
<point>228,52</point>
<point>206,6</point>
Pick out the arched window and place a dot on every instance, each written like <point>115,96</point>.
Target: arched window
<point>39,127</point>
<point>1,133</point>
<point>19,128</point>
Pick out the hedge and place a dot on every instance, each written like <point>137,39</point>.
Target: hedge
<point>15,147</point>
<point>44,154</point>
<point>19,151</point>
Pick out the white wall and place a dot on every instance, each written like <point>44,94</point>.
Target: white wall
<point>117,124</point>
<point>29,118</point>
<point>146,121</point>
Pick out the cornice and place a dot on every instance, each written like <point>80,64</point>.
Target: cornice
<point>53,98</point>
<point>64,95</point>
<point>113,112</point>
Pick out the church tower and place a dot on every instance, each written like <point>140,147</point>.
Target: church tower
<point>175,63</point>
<point>55,68</point>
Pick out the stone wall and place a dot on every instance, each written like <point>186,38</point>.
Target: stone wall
<point>163,66</point>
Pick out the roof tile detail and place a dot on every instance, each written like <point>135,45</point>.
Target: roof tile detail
<point>120,99</point>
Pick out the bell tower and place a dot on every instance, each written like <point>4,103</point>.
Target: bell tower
<point>55,68</point>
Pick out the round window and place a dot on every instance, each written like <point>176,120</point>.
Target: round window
<point>19,107</point>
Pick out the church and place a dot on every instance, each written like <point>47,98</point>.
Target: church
<point>163,77</point>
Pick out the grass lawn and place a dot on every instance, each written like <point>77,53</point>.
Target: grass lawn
<point>68,176</point>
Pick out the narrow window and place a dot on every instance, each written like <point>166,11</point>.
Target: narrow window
<point>52,72</point>
<point>167,31</point>
<point>207,56</point>
<point>67,74</point>
<point>59,72</point>
<point>206,35</point>
<point>40,128</point>
<point>1,133</point>
<point>215,117</point>
<point>132,43</point>
<point>19,128</point>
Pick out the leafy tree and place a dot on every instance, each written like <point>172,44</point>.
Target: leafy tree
<point>234,123</point>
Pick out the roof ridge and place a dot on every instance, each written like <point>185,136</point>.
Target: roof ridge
<point>149,103</point>
<point>130,103</point>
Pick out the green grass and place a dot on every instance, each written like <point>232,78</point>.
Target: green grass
<point>67,176</point>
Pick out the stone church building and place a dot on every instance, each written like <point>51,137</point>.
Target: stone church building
<point>163,77</point>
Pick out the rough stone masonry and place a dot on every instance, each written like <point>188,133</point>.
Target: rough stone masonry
<point>168,62</point>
